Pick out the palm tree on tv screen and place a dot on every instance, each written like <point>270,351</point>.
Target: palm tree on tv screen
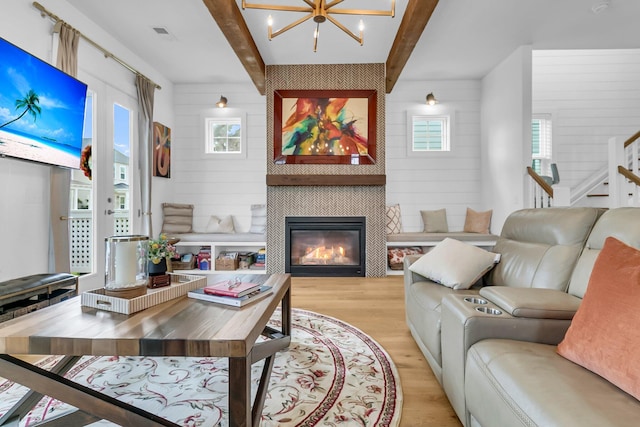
<point>30,104</point>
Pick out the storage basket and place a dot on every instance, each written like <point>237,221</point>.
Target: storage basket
<point>181,265</point>
<point>227,261</point>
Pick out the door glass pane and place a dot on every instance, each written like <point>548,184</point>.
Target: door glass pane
<point>81,199</point>
<point>121,169</point>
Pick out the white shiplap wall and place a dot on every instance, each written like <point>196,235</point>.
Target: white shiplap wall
<point>221,187</point>
<point>506,134</point>
<point>217,185</point>
<point>593,95</point>
<point>436,180</point>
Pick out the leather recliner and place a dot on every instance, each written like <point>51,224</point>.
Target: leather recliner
<point>538,247</point>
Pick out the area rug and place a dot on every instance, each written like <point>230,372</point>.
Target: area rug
<point>332,374</point>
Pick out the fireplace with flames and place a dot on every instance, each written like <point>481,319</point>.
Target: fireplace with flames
<point>325,246</point>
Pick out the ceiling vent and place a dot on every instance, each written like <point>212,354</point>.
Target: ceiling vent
<point>161,30</point>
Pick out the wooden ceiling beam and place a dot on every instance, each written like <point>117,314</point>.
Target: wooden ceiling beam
<point>413,23</point>
<point>228,17</point>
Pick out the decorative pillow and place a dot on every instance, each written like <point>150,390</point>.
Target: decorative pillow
<point>258,219</point>
<point>220,225</point>
<point>603,336</point>
<point>394,220</point>
<point>455,264</point>
<point>177,218</point>
<point>435,221</point>
<point>477,222</point>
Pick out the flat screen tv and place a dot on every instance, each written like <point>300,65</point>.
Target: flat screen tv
<point>41,110</point>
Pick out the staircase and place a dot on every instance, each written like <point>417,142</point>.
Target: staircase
<point>599,196</point>
<point>616,185</point>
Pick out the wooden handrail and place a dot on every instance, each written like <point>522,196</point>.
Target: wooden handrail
<point>629,175</point>
<point>541,182</point>
<point>631,140</point>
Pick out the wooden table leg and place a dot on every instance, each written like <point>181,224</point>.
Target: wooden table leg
<point>31,398</point>
<point>263,386</point>
<point>83,398</point>
<point>286,313</point>
<point>240,391</point>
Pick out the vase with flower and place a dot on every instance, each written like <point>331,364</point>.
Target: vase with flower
<point>159,250</point>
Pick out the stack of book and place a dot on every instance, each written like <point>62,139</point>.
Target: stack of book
<point>261,259</point>
<point>231,292</point>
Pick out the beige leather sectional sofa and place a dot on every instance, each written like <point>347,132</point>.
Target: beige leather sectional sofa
<point>493,347</point>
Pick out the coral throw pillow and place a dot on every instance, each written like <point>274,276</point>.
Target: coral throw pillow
<point>477,222</point>
<point>604,336</point>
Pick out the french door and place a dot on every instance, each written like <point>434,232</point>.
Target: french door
<point>108,203</point>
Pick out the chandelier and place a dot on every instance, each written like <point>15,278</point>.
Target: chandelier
<point>319,11</point>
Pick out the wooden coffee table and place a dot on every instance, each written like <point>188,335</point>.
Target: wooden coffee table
<point>180,327</point>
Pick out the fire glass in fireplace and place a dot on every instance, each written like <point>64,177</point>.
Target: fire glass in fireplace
<point>325,246</point>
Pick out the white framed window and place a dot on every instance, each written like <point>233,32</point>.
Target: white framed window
<point>225,135</point>
<point>541,143</point>
<point>429,133</point>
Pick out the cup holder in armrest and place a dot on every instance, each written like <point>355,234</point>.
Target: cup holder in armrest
<point>475,300</point>
<point>489,310</point>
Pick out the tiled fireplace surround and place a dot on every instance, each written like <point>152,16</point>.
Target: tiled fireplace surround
<point>336,200</point>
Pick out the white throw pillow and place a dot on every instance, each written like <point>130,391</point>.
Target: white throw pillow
<point>455,264</point>
<point>258,219</point>
<point>220,225</point>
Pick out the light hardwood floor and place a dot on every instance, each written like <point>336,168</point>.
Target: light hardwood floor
<point>376,306</point>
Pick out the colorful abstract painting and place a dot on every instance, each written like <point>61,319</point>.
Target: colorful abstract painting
<point>161,150</point>
<point>318,126</point>
<point>324,126</point>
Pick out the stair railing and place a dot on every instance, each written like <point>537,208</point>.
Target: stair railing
<point>623,171</point>
<point>541,191</point>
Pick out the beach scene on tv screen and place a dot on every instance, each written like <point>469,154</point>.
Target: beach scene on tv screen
<point>41,110</point>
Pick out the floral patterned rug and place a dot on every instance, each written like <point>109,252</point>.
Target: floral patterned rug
<point>332,374</point>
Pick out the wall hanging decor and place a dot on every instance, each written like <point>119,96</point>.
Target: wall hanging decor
<point>324,126</point>
<point>161,150</point>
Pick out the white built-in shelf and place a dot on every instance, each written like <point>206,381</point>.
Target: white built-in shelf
<point>216,249</point>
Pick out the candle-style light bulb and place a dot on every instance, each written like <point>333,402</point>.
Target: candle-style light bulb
<point>270,24</point>
<point>361,28</point>
<point>316,34</point>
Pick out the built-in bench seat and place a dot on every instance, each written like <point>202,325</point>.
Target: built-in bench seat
<point>400,245</point>
<point>220,237</point>
<point>432,239</point>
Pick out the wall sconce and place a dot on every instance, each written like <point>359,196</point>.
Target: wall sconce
<point>222,103</point>
<point>431,100</point>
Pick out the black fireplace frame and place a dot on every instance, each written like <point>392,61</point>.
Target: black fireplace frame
<point>331,223</point>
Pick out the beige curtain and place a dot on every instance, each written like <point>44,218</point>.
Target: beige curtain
<point>60,181</point>
<point>146,89</point>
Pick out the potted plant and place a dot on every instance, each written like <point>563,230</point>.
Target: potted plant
<point>159,250</point>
